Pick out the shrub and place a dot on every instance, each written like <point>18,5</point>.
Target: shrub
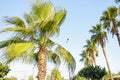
<point>4,69</point>
<point>94,73</point>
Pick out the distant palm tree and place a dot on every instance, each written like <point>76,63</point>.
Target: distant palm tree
<point>99,36</point>
<point>110,22</point>
<point>92,50</point>
<point>31,39</point>
<point>86,58</point>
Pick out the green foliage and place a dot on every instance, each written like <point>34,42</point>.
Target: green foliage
<point>110,21</point>
<point>11,78</point>
<point>7,79</point>
<point>10,41</point>
<point>107,76</point>
<point>48,77</point>
<point>67,57</point>
<point>31,78</point>
<point>99,36</point>
<point>55,75</point>
<point>86,58</point>
<point>17,50</point>
<point>90,53</point>
<point>4,69</point>
<point>77,77</point>
<point>94,73</point>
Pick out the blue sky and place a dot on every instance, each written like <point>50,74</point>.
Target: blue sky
<point>81,16</point>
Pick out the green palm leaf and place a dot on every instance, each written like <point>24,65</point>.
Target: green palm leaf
<point>60,16</point>
<point>28,19</point>
<point>86,58</point>
<point>42,10</point>
<point>50,43</point>
<point>17,50</point>
<point>10,41</point>
<point>17,29</point>
<point>110,21</point>
<point>67,57</point>
<point>54,57</point>
<point>18,22</point>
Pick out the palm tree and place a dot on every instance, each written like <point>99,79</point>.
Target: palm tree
<point>86,58</point>
<point>31,39</point>
<point>110,21</point>
<point>91,49</point>
<point>99,37</point>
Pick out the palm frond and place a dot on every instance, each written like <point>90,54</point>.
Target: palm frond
<point>67,57</point>
<point>42,10</point>
<point>48,27</point>
<point>99,36</point>
<point>30,59</point>
<point>91,49</point>
<point>50,43</point>
<point>16,29</point>
<point>86,58</point>
<point>55,31</point>
<point>17,50</point>
<point>54,57</point>
<point>18,22</point>
<point>10,41</point>
<point>20,31</point>
<point>113,11</point>
<point>83,55</point>
<point>60,17</point>
<point>28,19</point>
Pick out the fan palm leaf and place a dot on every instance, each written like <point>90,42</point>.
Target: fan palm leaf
<point>18,22</point>
<point>67,57</point>
<point>16,50</point>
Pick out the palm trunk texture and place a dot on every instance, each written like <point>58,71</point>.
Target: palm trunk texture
<point>42,62</point>
<point>94,61</point>
<point>107,63</point>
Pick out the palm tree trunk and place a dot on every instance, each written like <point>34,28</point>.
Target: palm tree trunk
<point>94,61</point>
<point>116,30</point>
<point>42,62</point>
<point>118,37</point>
<point>107,63</point>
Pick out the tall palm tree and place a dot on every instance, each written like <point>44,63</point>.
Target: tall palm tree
<point>92,50</point>
<point>99,37</point>
<point>86,58</point>
<point>31,38</point>
<point>110,22</point>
